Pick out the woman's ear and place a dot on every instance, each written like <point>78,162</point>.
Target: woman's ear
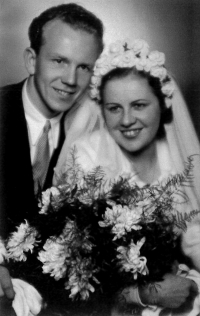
<point>30,60</point>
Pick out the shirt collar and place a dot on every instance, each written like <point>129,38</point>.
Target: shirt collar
<point>35,119</point>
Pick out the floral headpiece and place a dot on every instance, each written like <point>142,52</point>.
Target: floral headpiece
<point>127,55</point>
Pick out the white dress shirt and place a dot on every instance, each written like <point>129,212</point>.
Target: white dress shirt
<point>36,122</point>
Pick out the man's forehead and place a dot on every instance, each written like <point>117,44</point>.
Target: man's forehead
<point>57,26</point>
<point>61,39</point>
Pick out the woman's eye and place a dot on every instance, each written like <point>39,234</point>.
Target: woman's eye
<point>114,109</point>
<point>139,106</point>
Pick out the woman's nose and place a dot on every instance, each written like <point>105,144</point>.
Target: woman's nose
<point>128,118</point>
<point>69,76</point>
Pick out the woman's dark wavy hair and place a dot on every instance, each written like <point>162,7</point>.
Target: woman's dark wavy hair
<point>76,16</point>
<point>166,113</point>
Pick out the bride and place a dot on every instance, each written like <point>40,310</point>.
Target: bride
<point>139,125</point>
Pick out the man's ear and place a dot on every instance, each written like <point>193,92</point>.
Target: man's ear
<point>30,60</point>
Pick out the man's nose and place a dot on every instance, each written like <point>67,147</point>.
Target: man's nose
<point>69,76</point>
<point>128,118</point>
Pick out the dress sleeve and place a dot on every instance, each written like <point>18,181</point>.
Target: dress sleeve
<point>191,243</point>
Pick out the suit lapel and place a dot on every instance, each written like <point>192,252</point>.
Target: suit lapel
<point>18,196</point>
<point>21,146</point>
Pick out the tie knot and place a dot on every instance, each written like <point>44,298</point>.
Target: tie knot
<point>47,127</point>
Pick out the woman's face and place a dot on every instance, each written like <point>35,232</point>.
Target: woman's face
<point>132,112</point>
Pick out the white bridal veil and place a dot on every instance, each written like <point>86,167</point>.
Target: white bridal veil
<point>85,127</point>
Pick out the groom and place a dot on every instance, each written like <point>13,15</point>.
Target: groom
<point>65,42</point>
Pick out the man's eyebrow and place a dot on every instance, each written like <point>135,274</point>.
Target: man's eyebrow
<point>87,65</point>
<point>64,58</point>
<point>58,55</point>
<point>112,103</point>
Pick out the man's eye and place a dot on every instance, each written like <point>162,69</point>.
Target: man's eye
<point>85,68</point>
<point>58,60</point>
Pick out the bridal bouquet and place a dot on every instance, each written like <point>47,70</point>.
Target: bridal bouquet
<point>93,234</point>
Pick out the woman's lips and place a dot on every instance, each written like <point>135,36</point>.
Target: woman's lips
<point>131,133</point>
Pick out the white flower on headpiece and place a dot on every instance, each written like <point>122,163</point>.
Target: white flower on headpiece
<point>116,60</point>
<point>130,259</point>
<point>157,58</point>
<point>95,80</point>
<point>102,61</point>
<point>168,89</point>
<point>129,43</point>
<point>141,63</point>
<point>94,94</point>
<point>116,48</point>
<point>158,72</point>
<point>129,54</point>
<point>102,66</point>
<point>104,70</point>
<point>127,59</point>
<point>168,103</point>
<point>140,46</point>
<point>96,73</point>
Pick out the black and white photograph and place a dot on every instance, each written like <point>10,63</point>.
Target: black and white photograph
<point>100,158</point>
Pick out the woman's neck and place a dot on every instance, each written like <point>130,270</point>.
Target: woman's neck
<point>145,164</point>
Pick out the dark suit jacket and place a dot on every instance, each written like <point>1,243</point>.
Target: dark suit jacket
<point>17,200</point>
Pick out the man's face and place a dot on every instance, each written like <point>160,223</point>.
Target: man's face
<point>61,71</point>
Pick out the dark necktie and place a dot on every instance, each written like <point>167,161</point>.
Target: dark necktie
<point>42,158</point>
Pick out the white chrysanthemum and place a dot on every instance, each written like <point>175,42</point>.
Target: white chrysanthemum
<point>57,253</point>
<point>46,198</point>
<point>122,219</point>
<point>130,259</point>
<point>79,279</point>
<point>21,241</point>
<point>69,231</point>
<point>2,251</point>
<point>72,237</point>
<point>54,257</point>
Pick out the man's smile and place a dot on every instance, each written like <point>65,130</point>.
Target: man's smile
<point>64,93</point>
